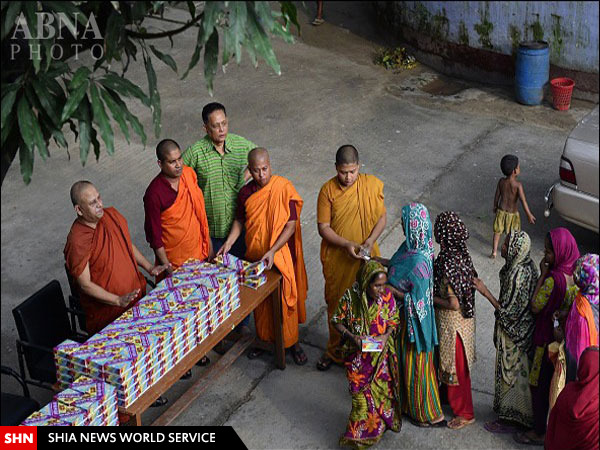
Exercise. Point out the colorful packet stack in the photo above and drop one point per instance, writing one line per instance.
(101, 397)
(58, 414)
(250, 274)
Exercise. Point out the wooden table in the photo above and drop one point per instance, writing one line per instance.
(249, 299)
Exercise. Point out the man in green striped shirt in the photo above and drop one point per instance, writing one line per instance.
(220, 161)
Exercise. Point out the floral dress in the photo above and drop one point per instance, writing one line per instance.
(373, 376)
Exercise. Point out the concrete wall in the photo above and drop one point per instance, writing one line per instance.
(453, 30)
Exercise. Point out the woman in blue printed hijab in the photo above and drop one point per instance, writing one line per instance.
(411, 276)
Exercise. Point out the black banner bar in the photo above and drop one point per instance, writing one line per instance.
(139, 437)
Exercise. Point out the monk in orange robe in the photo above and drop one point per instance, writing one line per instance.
(269, 207)
(176, 225)
(102, 259)
(351, 216)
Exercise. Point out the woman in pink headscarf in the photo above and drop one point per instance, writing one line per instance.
(555, 290)
(582, 322)
(573, 423)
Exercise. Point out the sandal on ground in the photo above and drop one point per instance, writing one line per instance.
(187, 375)
(299, 356)
(324, 363)
(160, 401)
(522, 438)
(318, 21)
(220, 348)
(460, 422)
(204, 361)
(441, 424)
(498, 427)
(255, 353)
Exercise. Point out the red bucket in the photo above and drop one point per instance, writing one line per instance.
(562, 89)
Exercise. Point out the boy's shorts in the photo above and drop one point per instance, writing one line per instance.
(506, 222)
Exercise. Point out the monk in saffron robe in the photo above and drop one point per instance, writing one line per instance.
(351, 216)
(102, 259)
(269, 207)
(176, 225)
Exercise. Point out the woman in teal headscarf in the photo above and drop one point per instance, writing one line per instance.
(368, 311)
(411, 276)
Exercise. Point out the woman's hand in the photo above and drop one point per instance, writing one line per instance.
(357, 341)
(479, 285)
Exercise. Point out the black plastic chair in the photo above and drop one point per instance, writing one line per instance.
(75, 304)
(16, 408)
(43, 322)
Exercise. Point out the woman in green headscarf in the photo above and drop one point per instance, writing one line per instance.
(512, 334)
(368, 311)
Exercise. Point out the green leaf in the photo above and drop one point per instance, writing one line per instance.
(264, 14)
(26, 162)
(138, 11)
(290, 14)
(12, 12)
(234, 34)
(30, 129)
(47, 101)
(68, 8)
(73, 100)
(211, 58)
(167, 59)
(101, 119)
(133, 121)
(30, 9)
(115, 27)
(154, 95)
(196, 54)
(95, 143)
(84, 140)
(7, 128)
(212, 10)
(124, 87)
(82, 74)
(8, 101)
(261, 43)
(116, 112)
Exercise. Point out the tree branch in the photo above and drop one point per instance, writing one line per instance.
(163, 34)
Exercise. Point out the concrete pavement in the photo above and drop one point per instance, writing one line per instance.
(443, 150)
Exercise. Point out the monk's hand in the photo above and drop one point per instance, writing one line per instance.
(158, 269)
(269, 257)
(353, 249)
(224, 249)
(126, 299)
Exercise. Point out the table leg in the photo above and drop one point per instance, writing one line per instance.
(278, 328)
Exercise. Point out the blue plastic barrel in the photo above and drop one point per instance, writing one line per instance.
(532, 72)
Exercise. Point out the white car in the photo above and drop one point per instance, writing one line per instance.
(575, 196)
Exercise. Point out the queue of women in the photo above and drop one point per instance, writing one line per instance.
(421, 309)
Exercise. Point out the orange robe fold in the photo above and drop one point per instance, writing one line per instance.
(267, 212)
(184, 225)
(352, 213)
(109, 252)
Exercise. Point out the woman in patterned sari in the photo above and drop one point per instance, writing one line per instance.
(512, 334)
(368, 309)
(454, 298)
(411, 278)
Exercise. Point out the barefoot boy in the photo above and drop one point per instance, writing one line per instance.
(508, 192)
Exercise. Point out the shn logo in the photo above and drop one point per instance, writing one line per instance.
(18, 438)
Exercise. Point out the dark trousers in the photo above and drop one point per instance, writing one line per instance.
(238, 249)
(539, 395)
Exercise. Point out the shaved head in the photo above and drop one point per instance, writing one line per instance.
(77, 189)
(258, 154)
(346, 154)
(259, 166)
(164, 147)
